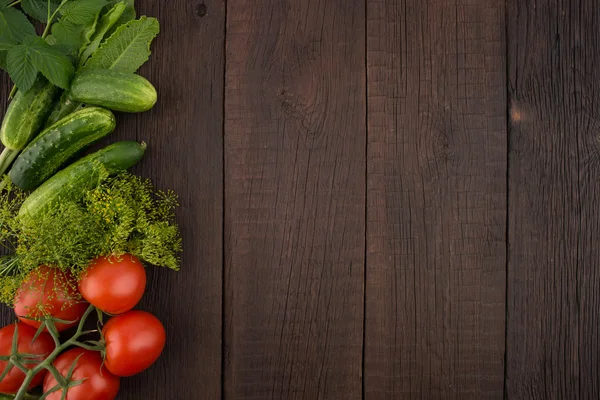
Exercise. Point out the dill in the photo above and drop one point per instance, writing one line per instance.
(123, 214)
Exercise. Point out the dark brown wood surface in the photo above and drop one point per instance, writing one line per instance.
(437, 200)
(553, 276)
(380, 199)
(295, 135)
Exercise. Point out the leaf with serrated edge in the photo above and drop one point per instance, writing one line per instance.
(104, 24)
(83, 11)
(19, 66)
(128, 15)
(14, 25)
(51, 62)
(38, 9)
(128, 48)
(68, 34)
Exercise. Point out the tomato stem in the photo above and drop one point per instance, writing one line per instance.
(47, 363)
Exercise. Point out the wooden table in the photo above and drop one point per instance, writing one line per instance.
(380, 199)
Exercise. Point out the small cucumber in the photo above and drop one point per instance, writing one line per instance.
(85, 174)
(116, 91)
(58, 143)
(26, 114)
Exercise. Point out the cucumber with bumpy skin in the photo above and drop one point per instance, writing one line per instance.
(26, 114)
(24, 118)
(85, 174)
(58, 143)
(116, 91)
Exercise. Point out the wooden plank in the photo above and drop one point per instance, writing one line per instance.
(437, 145)
(185, 139)
(553, 281)
(295, 137)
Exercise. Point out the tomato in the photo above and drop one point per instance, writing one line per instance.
(42, 346)
(49, 292)
(98, 384)
(114, 285)
(134, 341)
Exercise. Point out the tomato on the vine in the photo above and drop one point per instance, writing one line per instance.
(42, 346)
(134, 341)
(49, 292)
(114, 285)
(98, 383)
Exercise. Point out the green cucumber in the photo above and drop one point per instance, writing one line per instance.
(58, 143)
(116, 91)
(26, 114)
(85, 174)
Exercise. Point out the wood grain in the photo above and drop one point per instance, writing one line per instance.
(553, 280)
(295, 143)
(185, 140)
(437, 146)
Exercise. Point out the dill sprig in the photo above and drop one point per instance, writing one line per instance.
(124, 214)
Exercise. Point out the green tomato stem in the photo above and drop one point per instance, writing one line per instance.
(47, 363)
(14, 4)
(28, 396)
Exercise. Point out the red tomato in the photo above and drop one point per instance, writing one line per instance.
(49, 292)
(134, 341)
(42, 346)
(114, 285)
(98, 384)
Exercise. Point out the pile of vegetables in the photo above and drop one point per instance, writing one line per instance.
(78, 229)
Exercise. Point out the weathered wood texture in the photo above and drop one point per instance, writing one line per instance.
(553, 276)
(309, 139)
(295, 137)
(436, 197)
(185, 140)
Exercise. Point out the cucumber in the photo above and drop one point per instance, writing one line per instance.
(58, 143)
(85, 174)
(26, 114)
(116, 91)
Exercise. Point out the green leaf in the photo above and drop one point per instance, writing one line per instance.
(35, 55)
(82, 11)
(14, 25)
(19, 65)
(105, 23)
(128, 48)
(3, 55)
(51, 62)
(88, 32)
(128, 15)
(38, 9)
(6, 44)
(68, 34)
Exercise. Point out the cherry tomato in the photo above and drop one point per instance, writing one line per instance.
(114, 285)
(98, 384)
(42, 346)
(49, 292)
(134, 341)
